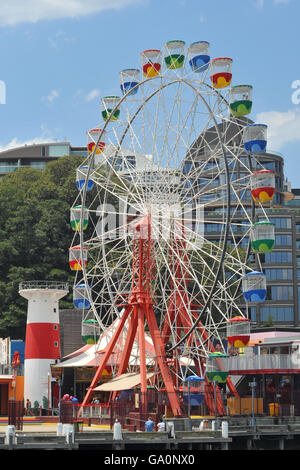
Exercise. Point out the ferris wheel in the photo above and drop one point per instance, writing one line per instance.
(165, 218)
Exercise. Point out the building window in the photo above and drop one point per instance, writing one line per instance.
(277, 198)
(58, 150)
(131, 160)
(213, 227)
(38, 165)
(8, 167)
(279, 274)
(280, 293)
(117, 164)
(250, 313)
(298, 292)
(278, 314)
(245, 195)
(281, 222)
(269, 165)
(283, 240)
(13, 163)
(279, 257)
(187, 167)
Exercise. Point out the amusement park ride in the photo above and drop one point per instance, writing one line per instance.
(163, 160)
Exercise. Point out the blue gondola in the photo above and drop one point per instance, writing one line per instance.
(129, 79)
(80, 296)
(254, 287)
(255, 138)
(198, 55)
(81, 173)
(193, 390)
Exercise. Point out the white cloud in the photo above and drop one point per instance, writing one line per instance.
(283, 127)
(45, 137)
(51, 97)
(92, 95)
(259, 4)
(13, 12)
(15, 142)
(282, 2)
(59, 37)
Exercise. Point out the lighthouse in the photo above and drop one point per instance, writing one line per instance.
(42, 342)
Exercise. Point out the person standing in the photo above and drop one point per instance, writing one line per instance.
(161, 427)
(28, 407)
(149, 425)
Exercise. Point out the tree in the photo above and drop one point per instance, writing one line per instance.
(35, 234)
(269, 322)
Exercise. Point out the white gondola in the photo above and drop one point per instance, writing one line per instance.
(76, 261)
(238, 332)
(174, 54)
(221, 72)
(92, 138)
(240, 100)
(109, 108)
(151, 62)
(75, 216)
(262, 237)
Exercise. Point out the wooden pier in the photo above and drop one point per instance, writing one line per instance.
(265, 434)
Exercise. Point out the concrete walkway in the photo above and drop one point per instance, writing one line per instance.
(49, 428)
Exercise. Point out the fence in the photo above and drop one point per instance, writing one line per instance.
(133, 417)
(15, 414)
(43, 285)
(132, 409)
(68, 412)
(261, 362)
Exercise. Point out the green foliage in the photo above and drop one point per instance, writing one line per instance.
(35, 234)
(36, 408)
(45, 402)
(269, 322)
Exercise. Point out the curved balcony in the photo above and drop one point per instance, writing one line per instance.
(56, 285)
(264, 364)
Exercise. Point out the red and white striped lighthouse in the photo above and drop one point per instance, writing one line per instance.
(42, 343)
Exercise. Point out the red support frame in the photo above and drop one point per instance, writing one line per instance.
(181, 304)
(138, 311)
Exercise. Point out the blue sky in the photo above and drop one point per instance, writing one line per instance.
(59, 57)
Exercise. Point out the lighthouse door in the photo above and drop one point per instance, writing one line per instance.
(3, 399)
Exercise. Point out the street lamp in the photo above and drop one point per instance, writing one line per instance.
(252, 385)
